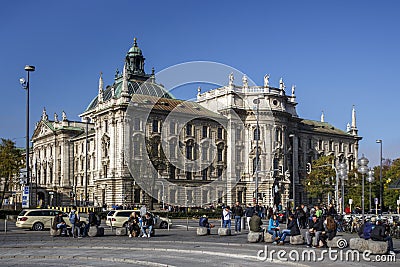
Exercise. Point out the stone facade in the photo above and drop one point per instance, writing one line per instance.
(74, 162)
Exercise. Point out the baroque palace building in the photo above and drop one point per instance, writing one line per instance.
(84, 162)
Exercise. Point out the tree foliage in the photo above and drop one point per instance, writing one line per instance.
(11, 161)
(321, 181)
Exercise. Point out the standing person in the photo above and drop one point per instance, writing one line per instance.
(318, 212)
(237, 214)
(301, 217)
(143, 211)
(74, 219)
(331, 210)
(249, 212)
(226, 213)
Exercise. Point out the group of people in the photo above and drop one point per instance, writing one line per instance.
(376, 230)
(140, 225)
(78, 228)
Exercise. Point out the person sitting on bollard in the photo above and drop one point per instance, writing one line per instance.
(366, 229)
(255, 223)
(203, 222)
(273, 228)
(133, 225)
(292, 229)
(379, 233)
(316, 227)
(147, 223)
(59, 222)
(330, 230)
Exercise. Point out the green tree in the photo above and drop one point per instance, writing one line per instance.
(11, 161)
(321, 181)
(390, 173)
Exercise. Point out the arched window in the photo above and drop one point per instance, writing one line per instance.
(256, 134)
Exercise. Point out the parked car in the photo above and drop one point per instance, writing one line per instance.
(38, 219)
(119, 218)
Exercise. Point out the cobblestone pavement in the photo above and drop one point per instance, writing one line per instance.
(177, 247)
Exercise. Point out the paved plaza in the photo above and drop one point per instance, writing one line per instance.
(179, 246)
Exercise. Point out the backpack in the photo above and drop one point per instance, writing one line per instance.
(367, 230)
(72, 217)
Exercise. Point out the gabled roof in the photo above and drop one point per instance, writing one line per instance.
(321, 127)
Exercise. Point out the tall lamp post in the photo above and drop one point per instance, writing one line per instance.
(293, 172)
(257, 101)
(363, 169)
(370, 180)
(379, 141)
(25, 85)
(342, 169)
(163, 192)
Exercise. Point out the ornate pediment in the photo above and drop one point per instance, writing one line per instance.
(42, 129)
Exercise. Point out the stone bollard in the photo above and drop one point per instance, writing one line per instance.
(337, 242)
(377, 247)
(95, 231)
(224, 231)
(297, 240)
(202, 231)
(254, 237)
(120, 231)
(359, 244)
(55, 232)
(268, 237)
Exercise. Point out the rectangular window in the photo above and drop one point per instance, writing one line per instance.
(136, 125)
(238, 156)
(204, 153)
(189, 129)
(310, 143)
(320, 144)
(205, 132)
(188, 176)
(220, 133)
(155, 126)
(238, 134)
(220, 152)
(172, 128)
(330, 145)
(189, 152)
(350, 148)
(172, 150)
(204, 174)
(172, 170)
(106, 126)
(220, 171)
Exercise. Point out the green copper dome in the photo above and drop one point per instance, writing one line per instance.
(135, 50)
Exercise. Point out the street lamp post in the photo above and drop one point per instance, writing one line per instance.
(25, 85)
(363, 169)
(370, 180)
(379, 141)
(293, 171)
(257, 101)
(343, 176)
(86, 162)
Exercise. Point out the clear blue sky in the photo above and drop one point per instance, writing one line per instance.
(338, 53)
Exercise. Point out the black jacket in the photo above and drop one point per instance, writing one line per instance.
(317, 226)
(378, 233)
(293, 227)
(237, 211)
(92, 219)
(249, 212)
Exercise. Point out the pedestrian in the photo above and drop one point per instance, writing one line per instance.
(143, 211)
(227, 217)
(74, 219)
(249, 212)
(133, 225)
(147, 223)
(237, 211)
(316, 228)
